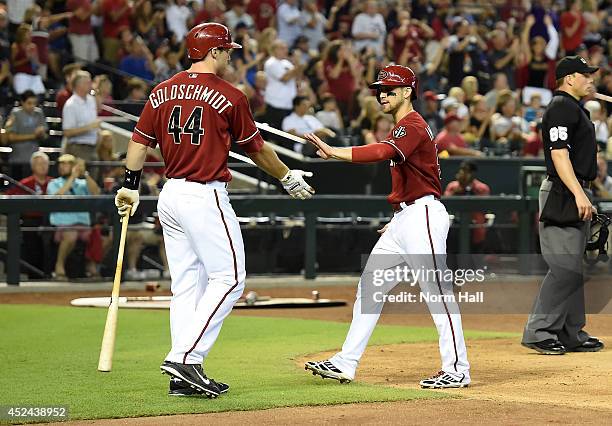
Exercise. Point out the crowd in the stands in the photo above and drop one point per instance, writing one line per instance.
(486, 70)
(486, 73)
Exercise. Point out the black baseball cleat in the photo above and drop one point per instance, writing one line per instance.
(180, 388)
(547, 347)
(593, 344)
(192, 375)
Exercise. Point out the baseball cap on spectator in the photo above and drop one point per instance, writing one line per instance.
(66, 158)
(39, 154)
(572, 64)
(430, 96)
(450, 118)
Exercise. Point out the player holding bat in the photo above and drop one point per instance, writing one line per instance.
(194, 116)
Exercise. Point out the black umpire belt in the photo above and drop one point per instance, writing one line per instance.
(586, 184)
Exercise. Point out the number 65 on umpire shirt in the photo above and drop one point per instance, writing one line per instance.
(566, 124)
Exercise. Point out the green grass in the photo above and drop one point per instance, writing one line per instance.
(50, 355)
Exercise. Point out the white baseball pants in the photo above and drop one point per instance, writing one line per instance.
(206, 260)
(413, 236)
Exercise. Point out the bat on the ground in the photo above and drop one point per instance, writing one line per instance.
(105, 363)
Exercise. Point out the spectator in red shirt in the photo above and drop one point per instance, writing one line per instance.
(467, 184)
(37, 182)
(573, 26)
(534, 144)
(40, 20)
(342, 71)
(24, 62)
(450, 139)
(63, 95)
(211, 12)
(116, 14)
(407, 40)
(263, 13)
(80, 32)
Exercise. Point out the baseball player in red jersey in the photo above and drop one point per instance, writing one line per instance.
(416, 236)
(193, 117)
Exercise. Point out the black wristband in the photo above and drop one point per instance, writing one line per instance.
(132, 179)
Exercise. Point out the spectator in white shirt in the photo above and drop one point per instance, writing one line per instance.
(236, 15)
(313, 23)
(369, 29)
(281, 86)
(80, 119)
(330, 115)
(289, 24)
(178, 18)
(300, 122)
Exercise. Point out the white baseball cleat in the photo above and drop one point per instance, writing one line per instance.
(444, 380)
(326, 369)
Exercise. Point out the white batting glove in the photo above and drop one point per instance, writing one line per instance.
(296, 186)
(125, 199)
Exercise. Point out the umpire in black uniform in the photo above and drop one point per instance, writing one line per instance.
(555, 325)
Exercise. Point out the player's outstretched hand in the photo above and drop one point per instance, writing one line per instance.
(323, 150)
(125, 199)
(296, 186)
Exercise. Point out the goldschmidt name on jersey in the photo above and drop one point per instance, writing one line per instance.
(195, 92)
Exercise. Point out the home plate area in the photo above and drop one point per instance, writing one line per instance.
(251, 301)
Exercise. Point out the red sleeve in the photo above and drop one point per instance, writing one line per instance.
(144, 132)
(60, 100)
(404, 139)
(372, 153)
(243, 129)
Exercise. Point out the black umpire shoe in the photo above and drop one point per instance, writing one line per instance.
(180, 388)
(593, 344)
(192, 375)
(547, 347)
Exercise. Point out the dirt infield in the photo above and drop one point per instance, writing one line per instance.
(511, 385)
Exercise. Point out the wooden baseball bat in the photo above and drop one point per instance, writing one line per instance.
(603, 97)
(105, 363)
(292, 137)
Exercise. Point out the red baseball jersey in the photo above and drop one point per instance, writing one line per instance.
(194, 117)
(415, 171)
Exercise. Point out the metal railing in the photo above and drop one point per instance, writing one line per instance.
(310, 210)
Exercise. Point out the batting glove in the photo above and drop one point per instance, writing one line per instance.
(296, 186)
(125, 199)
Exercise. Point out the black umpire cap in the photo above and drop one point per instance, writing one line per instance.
(571, 64)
